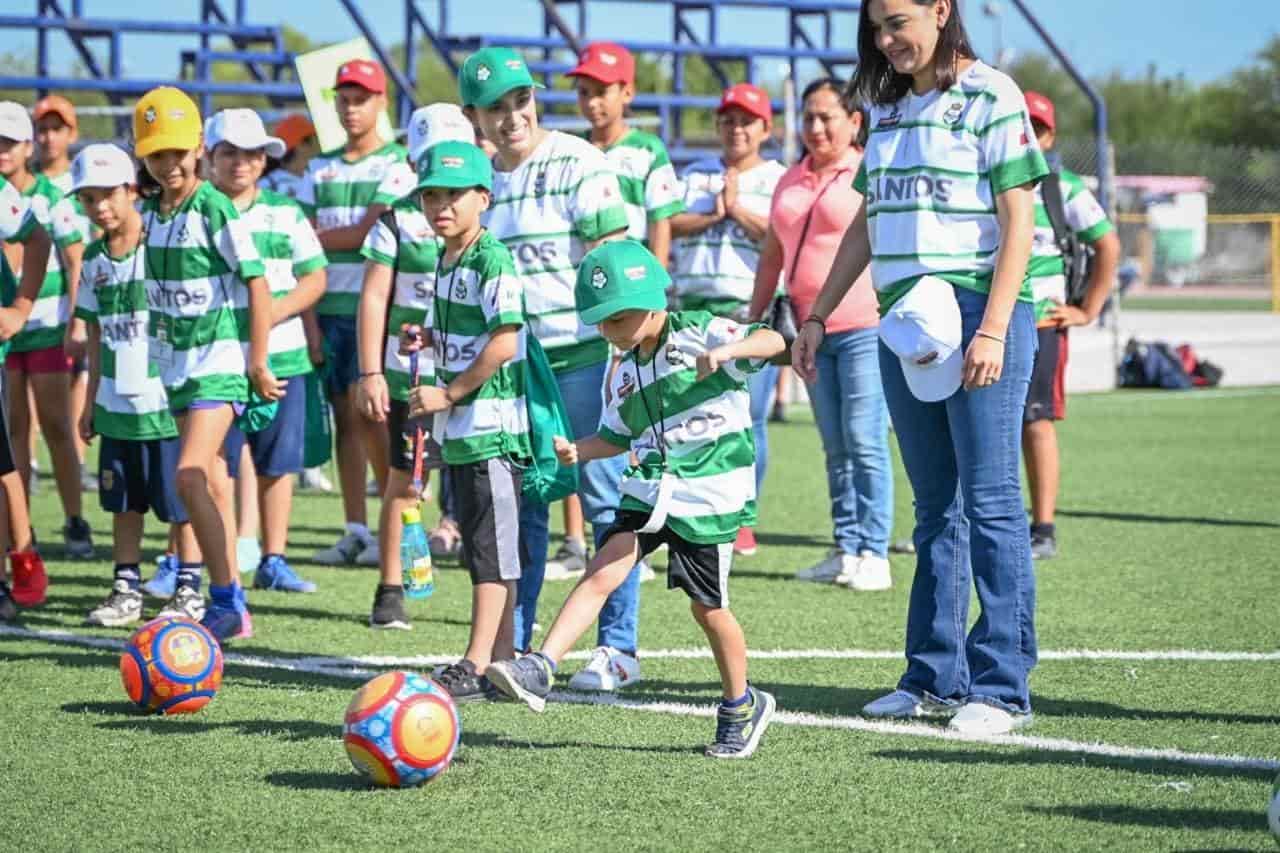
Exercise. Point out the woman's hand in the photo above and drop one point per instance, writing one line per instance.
(983, 362)
(804, 351)
(373, 400)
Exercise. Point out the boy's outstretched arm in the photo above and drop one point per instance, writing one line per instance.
(762, 344)
(585, 450)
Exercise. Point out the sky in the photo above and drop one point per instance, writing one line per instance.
(1199, 39)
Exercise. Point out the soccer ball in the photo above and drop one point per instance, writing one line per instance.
(401, 729)
(1273, 811)
(171, 665)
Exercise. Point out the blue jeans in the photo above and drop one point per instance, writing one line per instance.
(848, 405)
(581, 390)
(763, 384)
(961, 455)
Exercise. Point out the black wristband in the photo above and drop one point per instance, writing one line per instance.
(814, 318)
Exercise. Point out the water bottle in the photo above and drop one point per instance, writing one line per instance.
(415, 556)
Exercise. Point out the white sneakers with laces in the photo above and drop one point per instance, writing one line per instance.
(869, 572)
(978, 719)
(607, 671)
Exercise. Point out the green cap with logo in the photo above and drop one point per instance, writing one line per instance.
(490, 73)
(621, 275)
(458, 165)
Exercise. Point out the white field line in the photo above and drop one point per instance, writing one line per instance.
(313, 666)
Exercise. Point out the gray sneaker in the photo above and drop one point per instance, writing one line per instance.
(343, 552)
(904, 705)
(570, 561)
(1043, 547)
(738, 730)
(526, 679)
(186, 602)
(78, 538)
(123, 606)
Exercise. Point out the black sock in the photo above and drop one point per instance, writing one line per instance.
(189, 575)
(1043, 530)
(128, 572)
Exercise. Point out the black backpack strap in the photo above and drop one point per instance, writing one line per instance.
(1056, 207)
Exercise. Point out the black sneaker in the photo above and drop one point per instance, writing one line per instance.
(1043, 546)
(8, 610)
(526, 679)
(738, 730)
(388, 609)
(463, 684)
(78, 538)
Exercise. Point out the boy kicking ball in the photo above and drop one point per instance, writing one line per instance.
(679, 400)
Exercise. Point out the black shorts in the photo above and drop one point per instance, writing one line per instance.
(702, 571)
(400, 434)
(487, 503)
(1047, 394)
(136, 476)
(6, 452)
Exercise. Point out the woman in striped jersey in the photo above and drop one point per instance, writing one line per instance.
(946, 224)
(202, 273)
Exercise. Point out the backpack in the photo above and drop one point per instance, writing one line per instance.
(1076, 254)
(1203, 373)
(545, 479)
(1153, 365)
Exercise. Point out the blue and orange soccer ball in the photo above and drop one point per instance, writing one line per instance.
(401, 729)
(171, 665)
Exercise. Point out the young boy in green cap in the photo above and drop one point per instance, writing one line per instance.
(679, 401)
(477, 336)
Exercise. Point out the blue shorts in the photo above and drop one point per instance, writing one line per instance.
(342, 352)
(276, 449)
(136, 476)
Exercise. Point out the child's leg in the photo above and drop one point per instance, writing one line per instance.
(247, 490)
(727, 644)
(275, 498)
(20, 419)
(182, 541)
(202, 484)
(17, 513)
(574, 526)
(398, 497)
(53, 408)
(349, 438)
(126, 538)
(492, 606)
(607, 571)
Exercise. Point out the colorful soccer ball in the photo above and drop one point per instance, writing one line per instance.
(1273, 811)
(171, 665)
(401, 729)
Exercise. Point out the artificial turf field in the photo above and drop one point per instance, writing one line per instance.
(1170, 535)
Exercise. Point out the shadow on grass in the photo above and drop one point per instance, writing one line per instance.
(1166, 519)
(285, 730)
(1006, 757)
(1107, 711)
(318, 781)
(1206, 819)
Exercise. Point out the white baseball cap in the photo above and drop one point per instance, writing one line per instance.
(244, 129)
(15, 122)
(437, 123)
(102, 165)
(923, 331)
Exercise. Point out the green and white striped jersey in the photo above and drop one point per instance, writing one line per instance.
(546, 210)
(16, 222)
(477, 295)
(933, 167)
(650, 190)
(47, 324)
(1085, 217)
(336, 192)
(289, 249)
(412, 251)
(198, 260)
(62, 182)
(716, 270)
(131, 404)
(282, 181)
(704, 425)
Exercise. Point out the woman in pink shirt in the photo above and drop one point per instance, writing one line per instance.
(812, 207)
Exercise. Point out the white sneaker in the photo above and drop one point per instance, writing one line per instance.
(901, 705)
(315, 479)
(369, 555)
(982, 720)
(646, 572)
(343, 552)
(608, 670)
(371, 489)
(569, 562)
(829, 568)
(870, 573)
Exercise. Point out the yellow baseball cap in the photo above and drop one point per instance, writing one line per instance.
(165, 118)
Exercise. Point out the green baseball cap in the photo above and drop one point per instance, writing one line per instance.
(621, 275)
(490, 73)
(455, 164)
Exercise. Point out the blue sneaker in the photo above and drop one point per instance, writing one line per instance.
(274, 573)
(526, 679)
(227, 622)
(165, 581)
(738, 730)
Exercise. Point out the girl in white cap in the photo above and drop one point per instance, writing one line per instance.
(946, 224)
(238, 147)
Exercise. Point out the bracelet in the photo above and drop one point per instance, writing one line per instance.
(989, 336)
(814, 318)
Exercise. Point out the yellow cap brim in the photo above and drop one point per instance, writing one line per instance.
(165, 142)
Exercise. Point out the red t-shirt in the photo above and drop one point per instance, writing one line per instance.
(836, 204)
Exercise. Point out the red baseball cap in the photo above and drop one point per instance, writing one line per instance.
(606, 62)
(748, 97)
(364, 73)
(1041, 109)
(56, 105)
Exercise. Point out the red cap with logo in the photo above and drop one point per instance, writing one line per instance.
(56, 105)
(1040, 108)
(364, 73)
(606, 62)
(748, 97)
